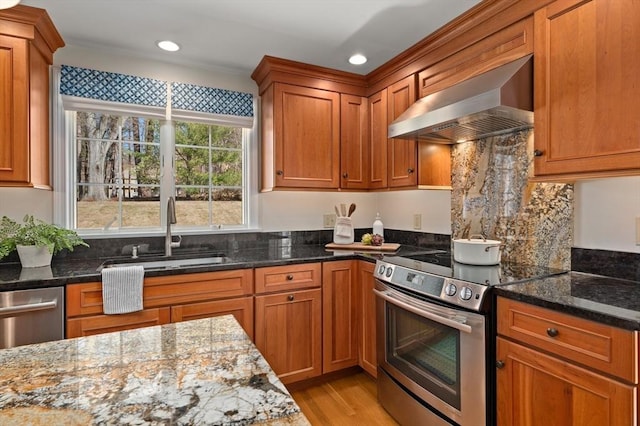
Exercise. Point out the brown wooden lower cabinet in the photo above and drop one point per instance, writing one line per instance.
(536, 389)
(339, 315)
(97, 324)
(166, 299)
(367, 318)
(288, 333)
(241, 309)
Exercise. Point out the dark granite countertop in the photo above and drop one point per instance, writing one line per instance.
(69, 271)
(599, 298)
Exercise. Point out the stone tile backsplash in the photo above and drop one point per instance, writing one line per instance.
(493, 196)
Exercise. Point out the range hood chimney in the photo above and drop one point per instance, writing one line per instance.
(495, 102)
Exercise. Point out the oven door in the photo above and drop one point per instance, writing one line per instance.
(436, 352)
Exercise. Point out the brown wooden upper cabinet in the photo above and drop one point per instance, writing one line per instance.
(378, 140)
(306, 138)
(354, 142)
(401, 153)
(28, 40)
(314, 126)
(587, 62)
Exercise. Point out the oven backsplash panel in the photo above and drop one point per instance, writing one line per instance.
(492, 195)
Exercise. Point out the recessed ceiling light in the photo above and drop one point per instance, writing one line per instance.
(6, 4)
(357, 59)
(167, 45)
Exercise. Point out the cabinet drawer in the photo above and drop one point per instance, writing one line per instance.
(608, 349)
(240, 308)
(288, 277)
(88, 326)
(86, 298)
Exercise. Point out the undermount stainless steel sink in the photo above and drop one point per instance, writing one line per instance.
(156, 263)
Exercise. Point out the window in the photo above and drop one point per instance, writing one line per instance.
(119, 169)
(133, 142)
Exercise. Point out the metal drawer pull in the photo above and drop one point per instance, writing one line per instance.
(32, 307)
(499, 364)
(290, 298)
(552, 332)
(289, 277)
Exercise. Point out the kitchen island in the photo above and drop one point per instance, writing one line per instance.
(201, 372)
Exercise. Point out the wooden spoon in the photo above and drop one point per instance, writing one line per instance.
(352, 208)
(337, 212)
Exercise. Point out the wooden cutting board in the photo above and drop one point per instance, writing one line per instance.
(363, 247)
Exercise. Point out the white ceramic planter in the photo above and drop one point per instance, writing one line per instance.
(477, 251)
(34, 256)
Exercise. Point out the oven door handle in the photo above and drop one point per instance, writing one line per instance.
(424, 313)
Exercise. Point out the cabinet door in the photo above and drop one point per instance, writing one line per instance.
(241, 309)
(586, 88)
(14, 108)
(288, 332)
(434, 165)
(307, 137)
(354, 142)
(402, 157)
(378, 150)
(88, 326)
(339, 315)
(367, 318)
(535, 389)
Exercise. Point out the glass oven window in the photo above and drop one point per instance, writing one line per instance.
(426, 352)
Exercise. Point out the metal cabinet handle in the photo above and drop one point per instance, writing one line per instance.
(345, 175)
(538, 153)
(31, 307)
(290, 298)
(289, 277)
(552, 332)
(279, 172)
(499, 364)
(409, 170)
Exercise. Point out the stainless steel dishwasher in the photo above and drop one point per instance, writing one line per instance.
(31, 316)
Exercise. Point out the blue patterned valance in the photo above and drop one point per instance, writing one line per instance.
(112, 87)
(190, 97)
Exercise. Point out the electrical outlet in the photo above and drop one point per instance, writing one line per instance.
(638, 231)
(329, 220)
(417, 221)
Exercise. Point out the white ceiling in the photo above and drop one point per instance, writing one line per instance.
(234, 35)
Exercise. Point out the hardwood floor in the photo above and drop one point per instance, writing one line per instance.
(350, 400)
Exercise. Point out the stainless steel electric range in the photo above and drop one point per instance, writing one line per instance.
(436, 336)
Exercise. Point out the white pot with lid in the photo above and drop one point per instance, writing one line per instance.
(477, 250)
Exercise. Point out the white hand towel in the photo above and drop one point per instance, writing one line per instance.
(122, 289)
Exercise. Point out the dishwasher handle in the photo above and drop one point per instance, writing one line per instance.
(10, 311)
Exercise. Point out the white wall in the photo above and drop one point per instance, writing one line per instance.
(16, 202)
(605, 214)
(301, 210)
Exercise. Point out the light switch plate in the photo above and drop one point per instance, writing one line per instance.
(417, 221)
(329, 220)
(638, 231)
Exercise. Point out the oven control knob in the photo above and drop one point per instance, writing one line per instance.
(465, 293)
(389, 272)
(381, 270)
(450, 289)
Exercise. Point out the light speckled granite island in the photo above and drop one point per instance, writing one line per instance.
(202, 372)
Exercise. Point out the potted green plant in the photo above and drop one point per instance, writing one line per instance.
(35, 240)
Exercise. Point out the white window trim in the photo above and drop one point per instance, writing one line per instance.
(63, 158)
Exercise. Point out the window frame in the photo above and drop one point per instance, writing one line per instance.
(64, 157)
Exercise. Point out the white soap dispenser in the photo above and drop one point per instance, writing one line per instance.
(378, 227)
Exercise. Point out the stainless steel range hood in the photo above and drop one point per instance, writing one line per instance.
(495, 102)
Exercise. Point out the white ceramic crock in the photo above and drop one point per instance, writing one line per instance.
(476, 251)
